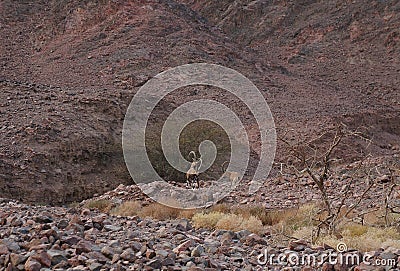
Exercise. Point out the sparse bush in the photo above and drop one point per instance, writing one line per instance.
(188, 213)
(206, 220)
(159, 211)
(102, 205)
(227, 221)
(252, 224)
(373, 238)
(230, 222)
(128, 208)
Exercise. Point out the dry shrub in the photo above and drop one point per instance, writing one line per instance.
(355, 230)
(257, 211)
(188, 213)
(159, 211)
(206, 220)
(373, 239)
(252, 224)
(230, 222)
(220, 208)
(301, 217)
(128, 208)
(102, 205)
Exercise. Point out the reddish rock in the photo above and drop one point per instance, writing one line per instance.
(184, 246)
(3, 250)
(43, 258)
(32, 265)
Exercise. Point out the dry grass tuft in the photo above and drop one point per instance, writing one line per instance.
(102, 205)
(128, 208)
(373, 238)
(230, 222)
(159, 211)
(206, 220)
(252, 224)
(187, 213)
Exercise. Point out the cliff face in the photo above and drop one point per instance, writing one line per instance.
(70, 68)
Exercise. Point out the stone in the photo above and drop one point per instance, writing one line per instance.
(72, 240)
(128, 255)
(43, 258)
(112, 228)
(183, 246)
(84, 246)
(197, 251)
(56, 256)
(150, 254)
(32, 265)
(168, 261)
(10, 244)
(97, 256)
(243, 233)
(4, 250)
(107, 251)
(327, 267)
(95, 267)
(62, 224)
(253, 239)
(16, 259)
(156, 264)
(136, 246)
(42, 219)
(182, 225)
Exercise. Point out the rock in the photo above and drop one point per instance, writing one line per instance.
(10, 244)
(72, 240)
(56, 256)
(112, 228)
(183, 246)
(4, 250)
(182, 225)
(168, 261)
(136, 246)
(243, 233)
(156, 264)
(107, 251)
(128, 255)
(16, 259)
(95, 267)
(253, 239)
(62, 224)
(197, 251)
(84, 246)
(150, 254)
(327, 267)
(43, 258)
(32, 265)
(97, 256)
(387, 255)
(42, 219)
(298, 245)
(367, 267)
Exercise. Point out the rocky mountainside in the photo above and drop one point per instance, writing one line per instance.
(70, 68)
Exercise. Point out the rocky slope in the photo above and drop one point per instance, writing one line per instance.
(55, 238)
(70, 68)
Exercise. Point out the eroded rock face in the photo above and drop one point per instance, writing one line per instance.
(159, 244)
